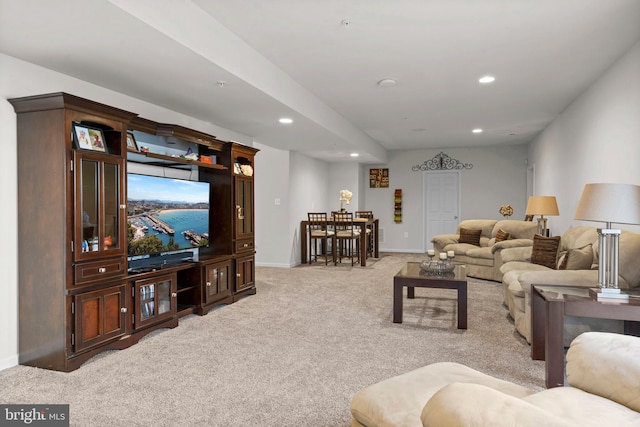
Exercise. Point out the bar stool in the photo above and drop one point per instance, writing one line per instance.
(347, 237)
(369, 230)
(319, 232)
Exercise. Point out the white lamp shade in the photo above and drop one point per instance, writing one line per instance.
(542, 205)
(619, 203)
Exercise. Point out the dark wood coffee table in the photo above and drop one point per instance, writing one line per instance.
(550, 304)
(412, 277)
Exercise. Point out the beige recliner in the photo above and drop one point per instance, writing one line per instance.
(603, 373)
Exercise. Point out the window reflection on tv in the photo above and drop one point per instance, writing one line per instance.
(166, 214)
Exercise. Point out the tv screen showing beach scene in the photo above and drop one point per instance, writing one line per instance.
(166, 214)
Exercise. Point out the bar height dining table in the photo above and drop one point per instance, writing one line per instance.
(362, 223)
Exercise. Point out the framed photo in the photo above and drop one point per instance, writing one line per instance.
(132, 145)
(88, 138)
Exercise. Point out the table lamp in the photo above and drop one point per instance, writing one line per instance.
(542, 205)
(619, 203)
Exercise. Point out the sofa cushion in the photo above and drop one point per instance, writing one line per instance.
(463, 404)
(517, 229)
(502, 235)
(398, 401)
(470, 236)
(577, 259)
(606, 365)
(545, 251)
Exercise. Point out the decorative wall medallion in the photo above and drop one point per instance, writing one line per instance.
(441, 162)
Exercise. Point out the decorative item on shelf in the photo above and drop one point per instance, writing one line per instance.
(206, 159)
(345, 196)
(132, 145)
(542, 205)
(397, 206)
(506, 211)
(246, 170)
(608, 203)
(144, 149)
(190, 155)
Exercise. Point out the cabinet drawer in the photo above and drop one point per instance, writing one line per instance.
(94, 271)
(244, 245)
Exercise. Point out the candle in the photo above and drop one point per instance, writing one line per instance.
(431, 252)
(450, 254)
(443, 255)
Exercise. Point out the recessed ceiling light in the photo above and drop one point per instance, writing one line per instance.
(354, 154)
(486, 79)
(286, 120)
(477, 130)
(386, 82)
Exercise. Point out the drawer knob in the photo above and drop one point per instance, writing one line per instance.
(208, 283)
(174, 294)
(102, 270)
(237, 274)
(123, 309)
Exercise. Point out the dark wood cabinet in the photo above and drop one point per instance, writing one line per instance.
(100, 316)
(244, 222)
(245, 273)
(155, 300)
(76, 295)
(217, 286)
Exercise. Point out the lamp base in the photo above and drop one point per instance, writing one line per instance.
(608, 294)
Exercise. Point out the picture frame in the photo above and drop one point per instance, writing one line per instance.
(379, 178)
(89, 138)
(132, 145)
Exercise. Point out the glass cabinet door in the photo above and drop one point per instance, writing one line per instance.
(99, 206)
(155, 299)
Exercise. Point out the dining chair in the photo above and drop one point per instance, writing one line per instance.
(347, 237)
(319, 232)
(369, 229)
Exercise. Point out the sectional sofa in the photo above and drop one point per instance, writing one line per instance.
(580, 244)
(483, 257)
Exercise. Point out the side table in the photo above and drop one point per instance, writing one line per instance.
(550, 304)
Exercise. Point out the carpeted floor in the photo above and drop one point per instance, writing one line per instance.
(292, 355)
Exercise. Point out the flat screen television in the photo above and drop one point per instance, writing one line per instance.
(165, 216)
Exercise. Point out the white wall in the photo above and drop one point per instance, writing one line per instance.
(273, 234)
(498, 177)
(596, 139)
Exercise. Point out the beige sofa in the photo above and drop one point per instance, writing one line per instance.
(485, 261)
(519, 274)
(603, 391)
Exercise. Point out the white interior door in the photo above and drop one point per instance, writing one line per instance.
(442, 203)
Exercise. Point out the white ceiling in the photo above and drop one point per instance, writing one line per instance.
(297, 58)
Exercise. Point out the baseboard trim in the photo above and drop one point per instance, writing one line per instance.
(8, 362)
(273, 264)
(405, 251)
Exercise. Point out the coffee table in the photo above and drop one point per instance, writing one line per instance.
(413, 277)
(550, 304)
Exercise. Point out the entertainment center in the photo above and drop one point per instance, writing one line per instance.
(126, 231)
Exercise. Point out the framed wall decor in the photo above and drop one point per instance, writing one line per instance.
(379, 178)
(132, 145)
(88, 138)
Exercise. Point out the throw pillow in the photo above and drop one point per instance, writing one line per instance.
(577, 259)
(545, 251)
(470, 236)
(502, 235)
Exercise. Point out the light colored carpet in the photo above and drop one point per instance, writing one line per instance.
(294, 354)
